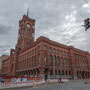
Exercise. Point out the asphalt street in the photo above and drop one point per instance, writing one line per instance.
(73, 85)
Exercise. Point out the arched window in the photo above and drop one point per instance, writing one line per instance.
(35, 60)
(38, 48)
(33, 26)
(64, 53)
(50, 59)
(65, 61)
(45, 47)
(68, 62)
(38, 59)
(58, 61)
(61, 52)
(32, 51)
(54, 60)
(62, 72)
(27, 54)
(23, 31)
(35, 50)
(67, 54)
(51, 72)
(69, 72)
(45, 57)
(27, 62)
(59, 72)
(50, 50)
(61, 61)
(24, 22)
(33, 34)
(57, 51)
(66, 73)
(32, 61)
(54, 51)
(55, 72)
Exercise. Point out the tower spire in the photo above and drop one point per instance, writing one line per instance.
(27, 11)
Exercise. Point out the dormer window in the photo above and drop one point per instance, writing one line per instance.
(28, 25)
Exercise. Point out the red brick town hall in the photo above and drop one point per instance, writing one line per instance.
(44, 57)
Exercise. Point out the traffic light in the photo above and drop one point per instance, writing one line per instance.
(86, 24)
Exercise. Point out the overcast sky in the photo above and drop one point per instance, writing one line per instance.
(59, 20)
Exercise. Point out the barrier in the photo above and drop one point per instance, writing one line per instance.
(65, 80)
(20, 84)
(57, 80)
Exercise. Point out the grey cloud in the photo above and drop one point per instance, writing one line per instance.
(4, 49)
(5, 29)
(50, 16)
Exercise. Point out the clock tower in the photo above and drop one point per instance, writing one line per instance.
(26, 32)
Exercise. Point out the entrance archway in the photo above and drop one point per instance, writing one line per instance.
(38, 72)
(83, 75)
(46, 73)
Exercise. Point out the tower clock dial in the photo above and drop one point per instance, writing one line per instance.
(28, 25)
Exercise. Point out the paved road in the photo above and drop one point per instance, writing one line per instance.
(74, 85)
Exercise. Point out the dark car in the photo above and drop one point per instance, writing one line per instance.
(2, 80)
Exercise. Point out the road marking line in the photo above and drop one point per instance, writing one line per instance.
(70, 89)
(85, 89)
(61, 89)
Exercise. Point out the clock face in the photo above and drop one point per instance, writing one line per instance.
(28, 25)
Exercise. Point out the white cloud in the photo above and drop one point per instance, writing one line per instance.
(85, 5)
(26, 6)
(69, 32)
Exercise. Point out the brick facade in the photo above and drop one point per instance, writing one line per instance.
(44, 57)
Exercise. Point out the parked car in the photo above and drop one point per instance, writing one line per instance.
(2, 80)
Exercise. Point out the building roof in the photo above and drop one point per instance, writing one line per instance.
(47, 40)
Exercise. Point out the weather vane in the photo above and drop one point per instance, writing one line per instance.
(27, 11)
